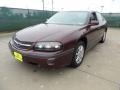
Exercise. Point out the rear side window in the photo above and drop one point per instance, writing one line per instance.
(100, 17)
(93, 17)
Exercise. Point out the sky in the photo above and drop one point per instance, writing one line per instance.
(108, 6)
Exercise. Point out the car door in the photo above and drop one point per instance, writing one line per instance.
(101, 26)
(93, 33)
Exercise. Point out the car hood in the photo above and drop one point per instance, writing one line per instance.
(46, 32)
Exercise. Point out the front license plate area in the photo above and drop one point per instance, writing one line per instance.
(18, 56)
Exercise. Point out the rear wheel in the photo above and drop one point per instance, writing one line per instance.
(78, 54)
(103, 37)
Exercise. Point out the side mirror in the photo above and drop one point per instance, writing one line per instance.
(46, 20)
(94, 22)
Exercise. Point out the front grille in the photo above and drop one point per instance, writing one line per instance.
(22, 45)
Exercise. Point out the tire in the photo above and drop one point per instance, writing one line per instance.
(78, 54)
(103, 37)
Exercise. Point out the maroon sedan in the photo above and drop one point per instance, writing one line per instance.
(61, 41)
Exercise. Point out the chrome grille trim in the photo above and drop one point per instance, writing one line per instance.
(18, 43)
(22, 45)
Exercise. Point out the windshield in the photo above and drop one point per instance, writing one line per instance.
(75, 18)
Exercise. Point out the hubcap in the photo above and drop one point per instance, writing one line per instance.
(79, 54)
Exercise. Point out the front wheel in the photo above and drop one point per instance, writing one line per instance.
(78, 54)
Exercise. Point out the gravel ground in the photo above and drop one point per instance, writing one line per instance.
(100, 69)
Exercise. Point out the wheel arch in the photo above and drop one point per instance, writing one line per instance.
(84, 39)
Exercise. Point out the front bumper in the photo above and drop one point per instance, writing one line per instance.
(45, 59)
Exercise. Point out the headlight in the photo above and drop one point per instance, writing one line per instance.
(48, 46)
